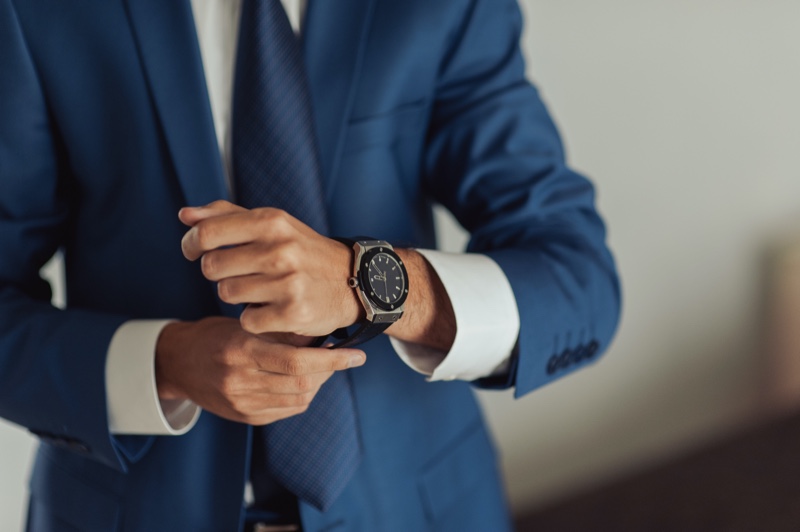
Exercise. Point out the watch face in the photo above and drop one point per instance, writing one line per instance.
(386, 279)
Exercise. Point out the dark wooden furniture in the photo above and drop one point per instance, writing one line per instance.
(749, 482)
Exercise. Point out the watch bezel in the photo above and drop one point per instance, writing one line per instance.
(363, 278)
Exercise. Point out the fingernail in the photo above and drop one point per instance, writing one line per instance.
(356, 360)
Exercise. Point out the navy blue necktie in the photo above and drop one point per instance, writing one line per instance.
(276, 164)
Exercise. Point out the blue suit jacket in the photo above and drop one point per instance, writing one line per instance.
(106, 131)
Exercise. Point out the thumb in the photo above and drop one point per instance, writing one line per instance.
(191, 216)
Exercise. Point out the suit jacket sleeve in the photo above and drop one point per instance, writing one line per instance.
(495, 160)
(52, 361)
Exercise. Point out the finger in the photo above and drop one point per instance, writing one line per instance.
(256, 414)
(241, 227)
(271, 415)
(279, 315)
(212, 233)
(192, 215)
(263, 403)
(252, 258)
(262, 383)
(232, 262)
(257, 289)
(298, 361)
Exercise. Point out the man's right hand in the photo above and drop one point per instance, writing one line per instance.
(253, 379)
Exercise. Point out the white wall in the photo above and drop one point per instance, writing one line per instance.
(685, 114)
(17, 446)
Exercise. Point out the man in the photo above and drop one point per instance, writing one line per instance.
(114, 115)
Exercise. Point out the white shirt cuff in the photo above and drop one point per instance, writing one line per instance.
(487, 320)
(131, 394)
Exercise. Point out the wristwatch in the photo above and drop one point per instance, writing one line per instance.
(381, 282)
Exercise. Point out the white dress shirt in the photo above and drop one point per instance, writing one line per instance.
(487, 320)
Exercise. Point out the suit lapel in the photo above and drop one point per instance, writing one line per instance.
(167, 41)
(335, 36)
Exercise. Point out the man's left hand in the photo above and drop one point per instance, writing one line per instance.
(292, 278)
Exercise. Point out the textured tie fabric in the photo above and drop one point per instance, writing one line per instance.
(276, 164)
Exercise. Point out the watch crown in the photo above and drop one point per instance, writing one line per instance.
(353, 282)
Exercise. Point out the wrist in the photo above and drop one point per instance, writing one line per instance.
(170, 341)
(350, 309)
(417, 282)
(429, 318)
(379, 286)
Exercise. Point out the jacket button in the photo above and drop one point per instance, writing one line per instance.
(579, 354)
(564, 359)
(592, 349)
(552, 365)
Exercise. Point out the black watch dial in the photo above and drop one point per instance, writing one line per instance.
(386, 284)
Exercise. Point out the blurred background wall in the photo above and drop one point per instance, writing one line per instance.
(686, 115)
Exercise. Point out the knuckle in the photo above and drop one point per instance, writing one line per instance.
(250, 322)
(304, 384)
(226, 290)
(223, 361)
(293, 249)
(294, 401)
(247, 344)
(283, 401)
(208, 265)
(262, 258)
(295, 287)
(279, 217)
(205, 234)
(287, 257)
(267, 217)
(293, 366)
(255, 351)
(300, 312)
(228, 386)
(305, 399)
(219, 362)
(265, 213)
